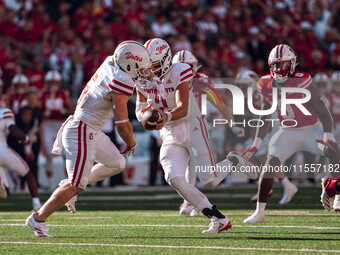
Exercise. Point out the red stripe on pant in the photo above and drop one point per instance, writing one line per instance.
(75, 170)
(84, 157)
(206, 140)
(209, 146)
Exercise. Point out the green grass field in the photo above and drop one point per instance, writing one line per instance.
(147, 222)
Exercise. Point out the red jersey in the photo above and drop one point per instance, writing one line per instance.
(54, 108)
(334, 105)
(36, 78)
(199, 82)
(18, 101)
(297, 80)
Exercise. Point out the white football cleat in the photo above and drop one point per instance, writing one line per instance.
(255, 218)
(255, 197)
(218, 225)
(71, 204)
(195, 212)
(185, 208)
(3, 191)
(336, 204)
(243, 165)
(289, 192)
(39, 228)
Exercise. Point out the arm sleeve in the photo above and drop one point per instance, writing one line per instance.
(8, 117)
(139, 107)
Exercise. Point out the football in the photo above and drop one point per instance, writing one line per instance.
(150, 119)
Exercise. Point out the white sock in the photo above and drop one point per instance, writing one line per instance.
(36, 201)
(191, 194)
(285, 182)
(100, 172)
(260, 208)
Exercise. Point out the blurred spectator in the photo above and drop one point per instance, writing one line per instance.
(56, 105)
(19, 98)
(35, 75)
(255, 46)
(162, 27)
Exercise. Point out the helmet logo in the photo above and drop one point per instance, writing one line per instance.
(134, 57)
(161, 48)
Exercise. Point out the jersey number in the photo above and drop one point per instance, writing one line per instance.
(86, 89)
(165, 105)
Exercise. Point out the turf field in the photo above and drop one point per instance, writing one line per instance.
(147, 222)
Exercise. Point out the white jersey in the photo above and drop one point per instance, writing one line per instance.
(92, 107)
(6, 120)
(178, 73)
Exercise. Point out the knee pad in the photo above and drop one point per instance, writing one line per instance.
(118, 165)
(121, 163)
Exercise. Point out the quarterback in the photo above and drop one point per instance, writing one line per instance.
(183, 131)
(201, 81)
(312, 133)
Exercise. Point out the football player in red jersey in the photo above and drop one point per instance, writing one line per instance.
(56, 104)
(200, 84)
(307, 130)
(244, 80)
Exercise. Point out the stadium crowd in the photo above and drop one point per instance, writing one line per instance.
(74, 37)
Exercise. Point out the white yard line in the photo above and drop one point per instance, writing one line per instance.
(176, 247)
(169, 226)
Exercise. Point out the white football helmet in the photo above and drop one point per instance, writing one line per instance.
(282, 62)
(21, 83)
(20, 78)
(185, 56)
(52, 75)
(335, 79)
(247, 77)
(321, 79)
(132, 58)
(160, 52)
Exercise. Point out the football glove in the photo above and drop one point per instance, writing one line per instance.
(251, 151)
(329, 141)
(128, 150)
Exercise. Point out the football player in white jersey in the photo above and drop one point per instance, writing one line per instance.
(107, 92)
(199, 81)
(11, 160)
(182, 130)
